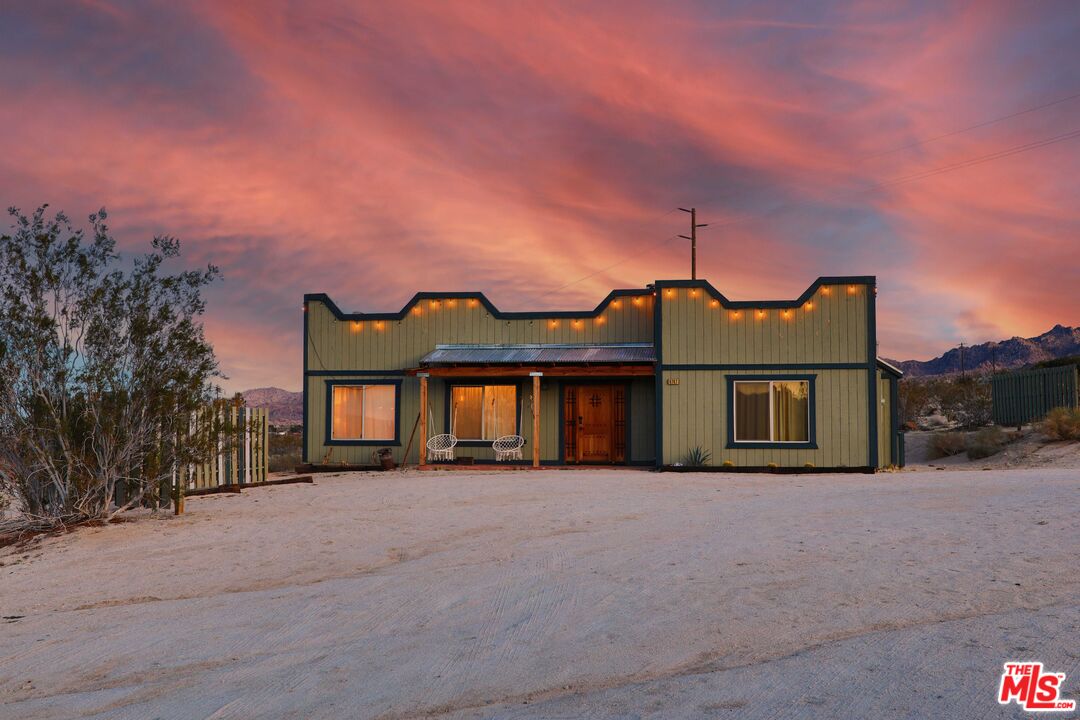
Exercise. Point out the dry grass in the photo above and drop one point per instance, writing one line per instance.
(1062, 424)
(947, 444)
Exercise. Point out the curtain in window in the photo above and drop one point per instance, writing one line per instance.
(348, 404)
(467, 411)
(379, 412)
(500, 418)
(752, 411)
(483, 412)
(791, 406)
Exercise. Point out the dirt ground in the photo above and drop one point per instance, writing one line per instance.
(555, 594)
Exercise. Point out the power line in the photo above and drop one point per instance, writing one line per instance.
(959, 165)
(976, 126)
(922, 174)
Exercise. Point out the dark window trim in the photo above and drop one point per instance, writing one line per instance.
(451, 383)
(811, 444)
(330, 384)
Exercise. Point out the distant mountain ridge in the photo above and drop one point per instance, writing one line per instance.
(1058, 342)
(286, 408)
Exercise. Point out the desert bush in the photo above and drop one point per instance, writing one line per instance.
(101, 368)
(988, 441)
(947, 444)
(1061, 424)
(965, 401)
(697, 457)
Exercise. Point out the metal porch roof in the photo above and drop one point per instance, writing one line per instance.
(535, 354)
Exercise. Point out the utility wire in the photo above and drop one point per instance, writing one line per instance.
(899, 180)
(969, 128)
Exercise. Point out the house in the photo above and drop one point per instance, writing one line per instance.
(642, 379)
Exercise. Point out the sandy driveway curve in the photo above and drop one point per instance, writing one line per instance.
(601, 593)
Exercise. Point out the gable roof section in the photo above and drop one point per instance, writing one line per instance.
(890, 368)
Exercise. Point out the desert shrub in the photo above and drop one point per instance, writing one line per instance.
(697, 457)
(1061, 424)
(965, 401)
(101, 369)
(947, 444)
(988, 441)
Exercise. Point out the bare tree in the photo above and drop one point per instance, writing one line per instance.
(101, 369)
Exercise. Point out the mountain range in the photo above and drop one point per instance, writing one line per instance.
(287, 407)
(1058, 342)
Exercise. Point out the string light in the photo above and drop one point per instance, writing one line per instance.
(786, 314)
(600, 320)
(670, 292)
(472, 302)
(434, 303)
(357, 326)
(715, 303)
(451, 302)
(416, 310)
(850, 289)
(761, 313)
(693, 292)
(808, 306)
(379, 325)
(637, 300)
(616, 304)
(826, 290)
(577, 323)
(554, 324)
(734, 314)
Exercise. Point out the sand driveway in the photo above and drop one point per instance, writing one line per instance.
(555, 594)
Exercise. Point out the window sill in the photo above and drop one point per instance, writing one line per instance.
(752, 445)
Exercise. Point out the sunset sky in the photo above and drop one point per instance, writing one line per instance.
(536, 152)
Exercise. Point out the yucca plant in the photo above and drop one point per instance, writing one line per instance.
(697, 457)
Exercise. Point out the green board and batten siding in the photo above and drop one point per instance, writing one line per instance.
(705, 338)
(394, 344)
(701, 338)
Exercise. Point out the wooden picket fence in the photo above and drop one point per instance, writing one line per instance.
(242, 436)
(1028, 395)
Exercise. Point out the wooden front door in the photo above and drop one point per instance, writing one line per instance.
(595, 423)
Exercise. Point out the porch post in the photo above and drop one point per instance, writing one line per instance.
(536, 417)
(423, 420)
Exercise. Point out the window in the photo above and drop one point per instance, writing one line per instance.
(364, 412)
(772, 411)
(483, 412)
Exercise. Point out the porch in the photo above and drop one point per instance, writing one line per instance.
(573, 404)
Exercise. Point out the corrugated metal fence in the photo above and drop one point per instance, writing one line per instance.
(242, 437)
(1027, 395)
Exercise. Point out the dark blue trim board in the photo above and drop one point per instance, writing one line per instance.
(330, 384)
(419, 297)
(478, 296)
(765, 366)
(732, 443)
(354, 373)
(448, 392)
(867, 280)
(658, 344)
(307, 340)
(871, 371)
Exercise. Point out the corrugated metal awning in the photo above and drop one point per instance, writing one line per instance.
(621, 353)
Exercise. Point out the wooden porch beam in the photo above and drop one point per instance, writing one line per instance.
(536, 418)
(423, 421)
(553, 371)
